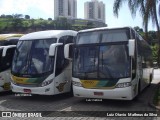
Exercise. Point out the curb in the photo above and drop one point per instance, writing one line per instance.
(151, 100)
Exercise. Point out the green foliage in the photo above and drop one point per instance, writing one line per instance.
(16, 23)
(155, 52)
(152, 38)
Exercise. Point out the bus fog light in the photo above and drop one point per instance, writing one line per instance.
(123, 85)
(48, 89)
(46, 82)
(77, 84)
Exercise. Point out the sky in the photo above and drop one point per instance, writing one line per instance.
(45, 9)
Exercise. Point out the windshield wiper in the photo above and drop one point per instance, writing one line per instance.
(104, 68)
(26, 65)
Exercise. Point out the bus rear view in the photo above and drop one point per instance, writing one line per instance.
(108, 64)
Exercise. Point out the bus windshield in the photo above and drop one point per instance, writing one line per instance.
(101, 61)
(32, 57)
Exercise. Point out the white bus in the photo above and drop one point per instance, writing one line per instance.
(113, 63)
(39, 66)
(7, 47)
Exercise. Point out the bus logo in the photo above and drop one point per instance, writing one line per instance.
(61, 87)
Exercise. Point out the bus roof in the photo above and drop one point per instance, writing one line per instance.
(48, 34)
(9, 39)
(103, 28)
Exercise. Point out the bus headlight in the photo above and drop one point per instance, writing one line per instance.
(123, 85)
(12, 81)
(77, 84)
(46, 82)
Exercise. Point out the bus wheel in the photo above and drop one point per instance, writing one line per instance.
(150, 79)
(139, 87)
(70, 93)
(138, 91)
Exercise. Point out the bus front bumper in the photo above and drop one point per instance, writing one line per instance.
(46, 90)
(117, 93)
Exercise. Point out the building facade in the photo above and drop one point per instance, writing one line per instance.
(94, 10)
(65, 8)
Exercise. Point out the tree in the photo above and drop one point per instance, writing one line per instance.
(33, 24)
(155, 52)
(8, 16)
(49, 19)
(16, 24)
(62, 23)
(147, 10)
(17, 16)
(89, 25)
(27, 17)
(3, 16)
(140, 31)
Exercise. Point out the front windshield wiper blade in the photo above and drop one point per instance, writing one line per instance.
(17, 54)
(24, 69)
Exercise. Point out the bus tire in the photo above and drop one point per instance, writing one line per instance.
(139, 88)
(71, 90)
(150, 79)
(138, 91)
(70, 93)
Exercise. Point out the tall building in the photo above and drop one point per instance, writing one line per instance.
(94, 10)
(65, 8)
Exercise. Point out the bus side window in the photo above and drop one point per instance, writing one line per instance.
(6, 61)
(134, 59)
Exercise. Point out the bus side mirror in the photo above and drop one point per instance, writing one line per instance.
(68, 51)
(5, 48)
(131, 47)
(52, 48)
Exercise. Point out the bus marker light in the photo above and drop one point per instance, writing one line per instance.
(98, 93)
(27, 90)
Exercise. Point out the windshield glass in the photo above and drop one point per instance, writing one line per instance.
(101, 61)
(105, 36)
(32, 57)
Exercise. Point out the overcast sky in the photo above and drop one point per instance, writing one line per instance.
(45, 9)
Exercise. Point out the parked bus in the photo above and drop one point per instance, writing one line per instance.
(113, 63)
(7, 47)
(39, 66)
(9, 39)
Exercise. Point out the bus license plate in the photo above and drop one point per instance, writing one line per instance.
(98, 93)
(27, 90)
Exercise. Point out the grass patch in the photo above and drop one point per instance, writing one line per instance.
(156, 100)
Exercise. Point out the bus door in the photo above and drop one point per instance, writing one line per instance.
(62, 76)
(5, 63)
